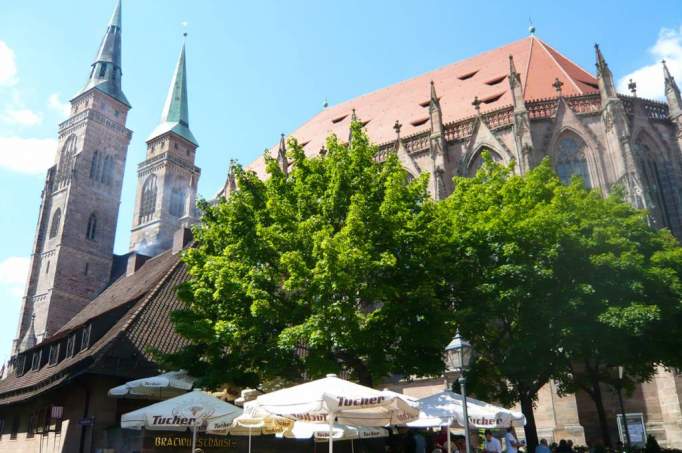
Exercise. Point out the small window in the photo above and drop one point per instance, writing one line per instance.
(86, 269)
(339, 119)
(467, 75)
(116, 113)
(47, 268)
(493, 98)
(102, 69)
(419, 122)
(177, 202)
(71, 346)
(54, 354)
(20, 367)
(85, 339)
(427, 103)
(496, 80)
(590, 84)
(15, 427)
(35, 360)
(91, 231)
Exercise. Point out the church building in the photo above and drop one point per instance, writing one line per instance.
(91, 320)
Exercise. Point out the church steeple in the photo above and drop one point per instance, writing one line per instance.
(175, 114)
(168, 178)
(105, 72)
(672, 93)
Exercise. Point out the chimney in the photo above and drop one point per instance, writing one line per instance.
(181, 238)
(135, 261)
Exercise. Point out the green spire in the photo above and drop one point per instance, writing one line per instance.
(105, 73)
(175, 114)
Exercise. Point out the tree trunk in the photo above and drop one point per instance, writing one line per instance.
(530, 429)
(601, 412)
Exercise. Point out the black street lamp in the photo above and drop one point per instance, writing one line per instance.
(457, 359)
(619, 389)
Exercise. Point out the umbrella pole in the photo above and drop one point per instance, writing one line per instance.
(331, 437)
(249, 439)
(449, 445)
(194, 438)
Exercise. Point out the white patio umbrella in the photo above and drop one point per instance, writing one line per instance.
(256, 423)
(191, 410)
(166, 385)
(332, 400)
(305, 430)
(446, 408)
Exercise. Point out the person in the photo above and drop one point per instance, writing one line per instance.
(569, 443)
(510, 441)
(419, 443)
(442, 439)
(563, 447)
(542, 447)
(491, 445)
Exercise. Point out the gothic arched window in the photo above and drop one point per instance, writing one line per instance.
(148, 199)
(91, 231)
(655, 177)
(56, 220)
(477, 162)
(95, 165)
(66, 160)
(570, 160)
(177, 202)
(107, 171)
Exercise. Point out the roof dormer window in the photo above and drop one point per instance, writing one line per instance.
(35, 360)
(468, 75)
(85, 338)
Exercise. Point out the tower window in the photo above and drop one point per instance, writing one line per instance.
(47, 268)
(107, 171)
(86, 269)
(177, 202)
(102, 69)
(91, 231)
(95, 165)
(56, 220)
(66, 161)
(148, 200)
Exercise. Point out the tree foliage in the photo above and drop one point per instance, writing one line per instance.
(326, 268)
(551, 278)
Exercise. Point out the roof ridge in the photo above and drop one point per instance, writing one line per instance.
(527, 71)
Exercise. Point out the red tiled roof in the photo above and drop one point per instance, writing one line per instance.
(457, 84)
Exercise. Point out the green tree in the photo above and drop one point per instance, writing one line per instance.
(334, 266)
(626, 297)
(506, 280)
(555, 281)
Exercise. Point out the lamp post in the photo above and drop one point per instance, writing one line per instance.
(619, 388)
(457, 360)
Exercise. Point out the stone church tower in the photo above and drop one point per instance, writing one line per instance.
(167, 179)
(73, 247)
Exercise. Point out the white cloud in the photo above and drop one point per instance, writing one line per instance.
(56, 104)
(21, 117)
(27, 155)
(13, 274)
(8, 66)
(649, 78)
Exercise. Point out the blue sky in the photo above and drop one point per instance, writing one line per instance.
(259, 68)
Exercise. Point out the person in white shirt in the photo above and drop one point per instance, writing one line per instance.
(491, 445)
(511, 443)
